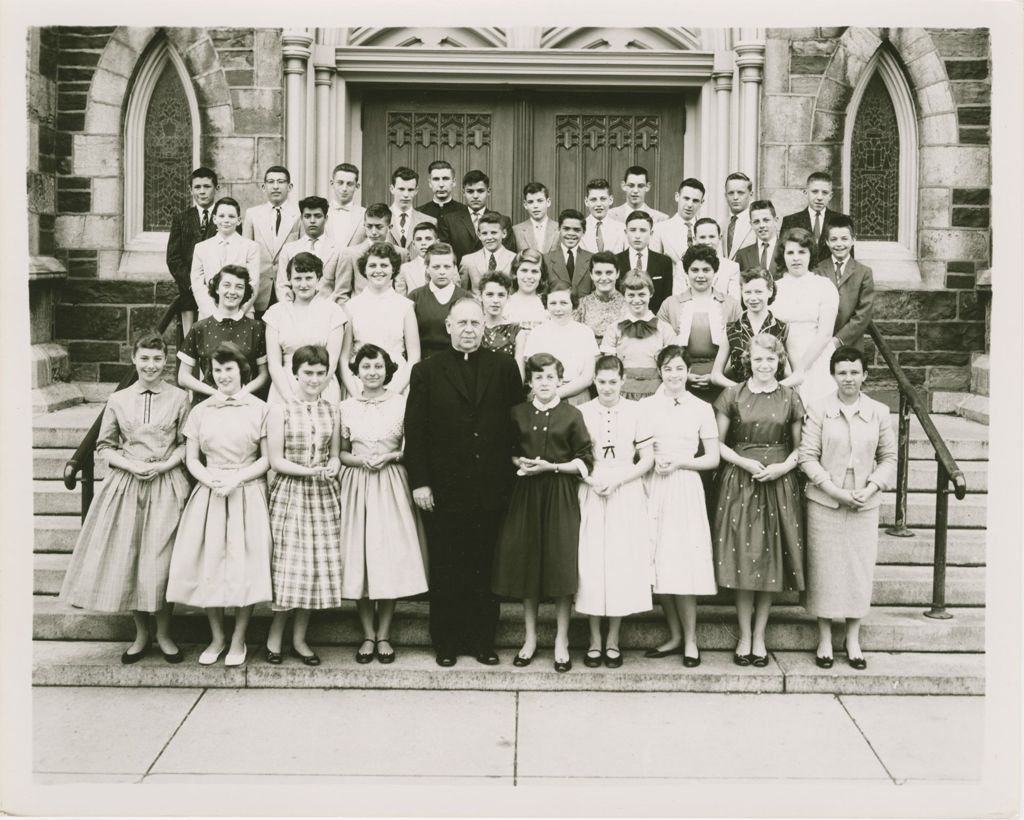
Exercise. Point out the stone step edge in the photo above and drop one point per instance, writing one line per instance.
(893, 673)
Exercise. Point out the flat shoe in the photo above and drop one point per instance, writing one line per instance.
(689, 662)
(134, 657)
(563, 666)
(366, 657)
(612, 661)
(858, 663)
(272, 657)
(520, 661)
(663, 653)
(445, 659)
(741, 660)
(309, 660)
(173, 657)
(236, 659)
(593, 658)
(759, 661)
(385, 657)
(823, 663)
(488, 657)
(209, 657)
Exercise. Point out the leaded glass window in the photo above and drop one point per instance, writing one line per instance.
(168, 152)
(875, 166)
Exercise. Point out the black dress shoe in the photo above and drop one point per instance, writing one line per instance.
(612, 661)
(689, 662)
(488, 657)
(385, 657)
(823, 663)
(130, 657)
(759, 661)
(858, 663)
(520, 661)
(366, 657)
(173, 657)
(663, 653)
(272, 656)
(309, 660)
(445, 658)
(563, 666)
(593, 658)
(741, 660)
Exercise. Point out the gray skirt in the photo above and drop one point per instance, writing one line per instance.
(842, 545)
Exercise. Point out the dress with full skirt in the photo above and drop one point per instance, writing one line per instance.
(683, 562)
(383, 541)
(759, 528)
(297, 326)
(223, 547)
(306, 562)
(123, 553)
(806, 303)
(615, 570)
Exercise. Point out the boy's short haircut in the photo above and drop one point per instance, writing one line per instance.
(475, 176)
(150, 339)
(498, 278)
(636, 171)
(637, 280)
(819, 176)
(278, 169)
(438, 249)
(839, 221)
(762, 205)
(605, 258)
(227, 200)
(378, 210)
(420, 227)
(489, 218)
(635, 216)
(311, 355)
(305, 262)
(404, 173)
(741, 177)
(598, 185)
(314, 203)
(345, 166)
(707, 220)
(703, 253)
(202, 172)
(692, 182)
(538, 361)
(439, 165)
(571, 213)
(535, 188)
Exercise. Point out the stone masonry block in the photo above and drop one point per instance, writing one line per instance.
(118, 58)
(212, 89)
(773, 166)
(861, 43)
(972, 308)
(95, 292)
(201, 57)
(106, 195)
(935, 99)
(232, 59)
(143, 318)
(217, 119)
(108, 88)
(833, 96)
(971, 92)
(805, 86)
(959, 166)
(41, 193)
(910, 305)
(239, 78)
(804, 160)
(970, 217)
(233, 157)
(791, 33)
(135, 37)
(185, 37)
(967, 69)
(827, 127)
(975, 115)
(814, 48)
(96, 155)
(100, 322)
(966, 336)
(926, 70)
(102, 119)
(231, 37)
(776, 67)
(938, 130)
(269, 68)
(107, 262)
(269, 151)
(935, 358)
(933, 207)
(961, 42)
(808, 65)
(974, 136)
(257, 110)
(948, 378)
(953, 244)
(911, 43)
(786, 118)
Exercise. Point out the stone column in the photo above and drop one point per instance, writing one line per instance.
(721, 76)
(750, 61)
(296, 51)
(323, 65)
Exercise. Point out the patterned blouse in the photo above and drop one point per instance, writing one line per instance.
(597, 313)
(501, 338)
(207, 334)
(739, 334)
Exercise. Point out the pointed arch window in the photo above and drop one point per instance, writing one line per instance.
(161, 140)
(880, 160)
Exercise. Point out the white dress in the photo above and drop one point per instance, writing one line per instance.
(806, 303)
(683, 561)
(298, 327)
(573, 344)
(379, 318)
(615, 570)
(527, 311)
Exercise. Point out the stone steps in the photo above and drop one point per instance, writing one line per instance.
(887, 628)
(970, 513)
(68, 663)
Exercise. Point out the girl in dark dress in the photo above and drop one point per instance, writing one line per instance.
(758, 532)
(536, 554)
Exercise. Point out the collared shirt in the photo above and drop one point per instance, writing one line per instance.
(740, 332)
(756, 387)
(551, 405)
(443, 295)
(144, 423)
(644, 254)
(839, 268)
(540, 229)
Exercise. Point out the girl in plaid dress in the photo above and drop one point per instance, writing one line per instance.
(123, 552)
(303, 437)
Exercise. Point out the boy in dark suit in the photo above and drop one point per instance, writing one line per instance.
(188, 228)
(567, 263)
(441, 178)
(855, 282)
(817, 216)
(459, 228)
(639, 256)
(762, 253)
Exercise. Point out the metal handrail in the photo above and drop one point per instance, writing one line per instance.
(83, 460)
(947, 472)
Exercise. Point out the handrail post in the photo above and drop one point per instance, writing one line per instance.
(88, 476)
(938, 609)
(899, 527)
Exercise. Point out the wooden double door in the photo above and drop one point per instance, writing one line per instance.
(562, 139)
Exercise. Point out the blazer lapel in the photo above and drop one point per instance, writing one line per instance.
(580, 266)
(550, 236)
(848, 270)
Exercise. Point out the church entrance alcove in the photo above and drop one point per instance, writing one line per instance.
(561, 138)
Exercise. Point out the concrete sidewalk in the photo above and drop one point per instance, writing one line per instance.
(108, 735)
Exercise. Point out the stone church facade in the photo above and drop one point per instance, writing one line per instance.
(118, 116)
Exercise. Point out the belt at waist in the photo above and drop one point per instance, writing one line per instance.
(229, 467)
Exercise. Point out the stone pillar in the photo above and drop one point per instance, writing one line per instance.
(721, 76)
(750, 61)
(296, 51)
(323, 65)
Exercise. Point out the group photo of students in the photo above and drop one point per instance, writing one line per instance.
(607, 408)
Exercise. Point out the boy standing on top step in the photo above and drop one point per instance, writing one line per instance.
(188, 228)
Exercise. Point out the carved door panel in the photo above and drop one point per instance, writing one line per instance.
(588, 136)
(414, 129)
